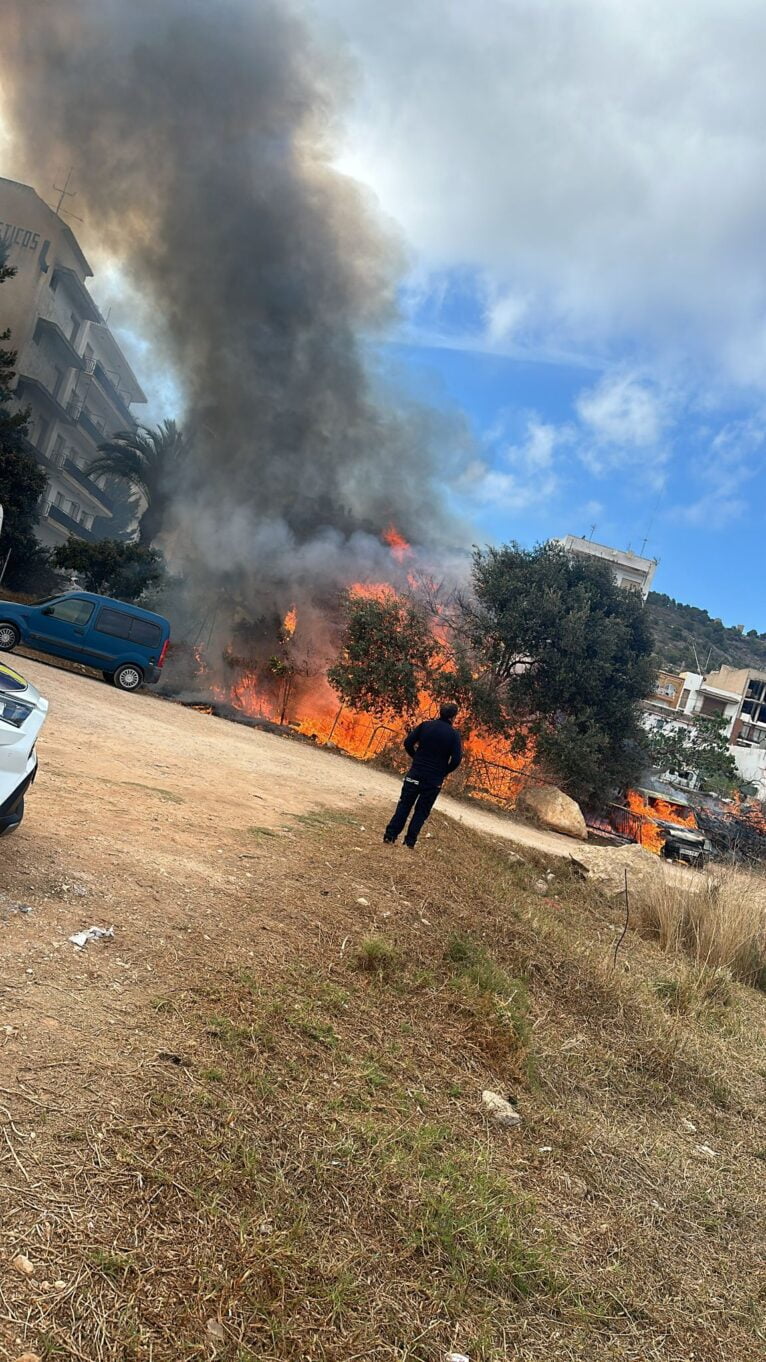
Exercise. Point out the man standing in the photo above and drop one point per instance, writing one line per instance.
(436, 749)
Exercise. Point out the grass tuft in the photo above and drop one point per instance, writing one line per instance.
(720, 923)
(377, 956)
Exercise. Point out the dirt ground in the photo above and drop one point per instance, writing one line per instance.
(218, 854)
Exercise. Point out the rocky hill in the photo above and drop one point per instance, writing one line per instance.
(689, 639)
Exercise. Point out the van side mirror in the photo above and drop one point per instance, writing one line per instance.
(48, 610)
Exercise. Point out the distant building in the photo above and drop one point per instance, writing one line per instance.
(72, 373)
(630, 569)
(736, 696)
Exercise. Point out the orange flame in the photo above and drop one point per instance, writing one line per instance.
(397, 543)
(371, 591)
(650, 836)
(289, 622)
(749, 812)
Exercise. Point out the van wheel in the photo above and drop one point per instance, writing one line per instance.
(9, 637)
(128, 677)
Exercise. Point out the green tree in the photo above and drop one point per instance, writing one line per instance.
(109, 568)
(22, 481)
(563, 654)
(698, 748)
(386, 654)
(149, 462)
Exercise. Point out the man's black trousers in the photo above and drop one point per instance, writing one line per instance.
(415, 796)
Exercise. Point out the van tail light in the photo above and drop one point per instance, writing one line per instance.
(164, 652)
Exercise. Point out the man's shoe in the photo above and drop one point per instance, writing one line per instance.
(390, 841)
(411, 845)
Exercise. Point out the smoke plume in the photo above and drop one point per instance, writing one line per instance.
(201, 136)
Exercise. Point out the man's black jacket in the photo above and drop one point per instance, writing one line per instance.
(436, 749)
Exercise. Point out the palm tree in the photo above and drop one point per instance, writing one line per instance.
(149, 461)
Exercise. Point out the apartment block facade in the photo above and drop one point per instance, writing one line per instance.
(630, 570)
(736, 696)
(71, 372)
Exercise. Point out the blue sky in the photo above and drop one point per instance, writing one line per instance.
(569, 445)
(579, 187)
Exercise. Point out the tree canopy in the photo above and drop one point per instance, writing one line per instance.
(22, 480)
(149, 463)
(544, 649)
(109, 568)
(386, 655)
(699, 748)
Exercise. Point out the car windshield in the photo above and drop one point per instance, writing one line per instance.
(47, 600)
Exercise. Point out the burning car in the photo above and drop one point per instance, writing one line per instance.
(684, 844)
(22, 715)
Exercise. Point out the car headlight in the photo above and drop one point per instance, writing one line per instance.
(14, 711)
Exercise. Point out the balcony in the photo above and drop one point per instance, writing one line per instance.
(85, 419)
(52, 332)
(88, 485)
(112, 395)
(37, 390)
(61, 518)
(71, 281)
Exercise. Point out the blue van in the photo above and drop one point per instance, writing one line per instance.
(124, 642)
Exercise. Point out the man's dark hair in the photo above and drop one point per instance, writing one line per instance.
(448, 712)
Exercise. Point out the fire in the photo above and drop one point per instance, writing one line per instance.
(400, 549)
(650, 835)
(289, 622)
(372, 591)
(750, 812)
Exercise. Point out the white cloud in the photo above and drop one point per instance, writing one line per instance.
(503, 314)
(522, 475)
(623, 411)
(605, 161)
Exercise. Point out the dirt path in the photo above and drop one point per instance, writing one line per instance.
(100, 742)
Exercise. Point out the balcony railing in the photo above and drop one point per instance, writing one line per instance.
(88, 485)
(88, 424)
(74, 527)
(115, 397)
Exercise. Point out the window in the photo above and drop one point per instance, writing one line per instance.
(148, 635)
(74, 510)
(58, 454)
(75, 327)
(43, 431)
(58, 500)
(120, 625)
(71, 612)
(59, 381)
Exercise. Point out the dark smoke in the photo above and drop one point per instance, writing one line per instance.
(201, 136)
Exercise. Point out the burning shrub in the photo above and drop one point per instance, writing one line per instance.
(387, 656)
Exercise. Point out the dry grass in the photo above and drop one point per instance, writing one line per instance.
(302, 1171)
(720, 923)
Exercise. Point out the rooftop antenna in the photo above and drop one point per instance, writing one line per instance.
(592, 531)
(65, 193)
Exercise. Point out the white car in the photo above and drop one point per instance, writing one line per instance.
(22, 715)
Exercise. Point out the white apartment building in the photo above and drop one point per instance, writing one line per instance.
(630, 570)
(735, 695)
(71, 372)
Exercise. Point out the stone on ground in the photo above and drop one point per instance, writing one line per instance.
(554, 810)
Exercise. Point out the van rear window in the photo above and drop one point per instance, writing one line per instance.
(120, 625)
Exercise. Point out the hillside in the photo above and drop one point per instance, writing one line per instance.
(686, 635)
